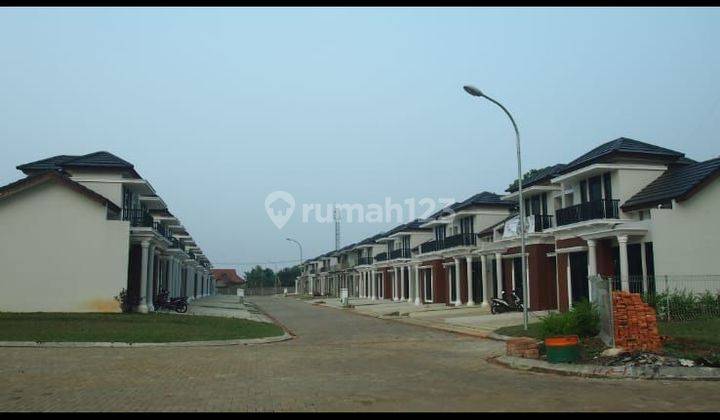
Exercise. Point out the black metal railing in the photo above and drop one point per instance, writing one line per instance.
(590, 210)
(323, 269)
(365, 261)
(175, 242)
(137, 217)
(461, 239)
(429, 246)
(400, 253)
(381, 256)
(542, 222)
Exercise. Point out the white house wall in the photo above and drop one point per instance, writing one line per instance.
(686, 238)
(58, 253)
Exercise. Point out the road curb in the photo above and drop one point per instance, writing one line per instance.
(119, 344)
(611, 372)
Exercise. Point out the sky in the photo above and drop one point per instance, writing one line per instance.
(218, 108)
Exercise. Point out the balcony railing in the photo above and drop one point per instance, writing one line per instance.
(429, 246)
(365, 261)
(461, 239)
(542, 222)
(381, 256)
(137, 217)
(590, 210)
(400, 253)
(175, 243)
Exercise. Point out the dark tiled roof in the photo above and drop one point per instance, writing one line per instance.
(484, 198)
(227, 274)
(539, 176)
(678, 183)
(91, 160)
(622, 145)
(49, 175)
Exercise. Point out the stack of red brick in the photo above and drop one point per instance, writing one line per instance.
(523, 347)
(635, 323)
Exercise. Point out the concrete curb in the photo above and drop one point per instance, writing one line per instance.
(118, 344)
(613, 372)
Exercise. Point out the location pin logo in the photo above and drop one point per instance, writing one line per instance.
(279, 206)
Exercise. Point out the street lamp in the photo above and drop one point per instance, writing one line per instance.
(477, 92)
(301, 257)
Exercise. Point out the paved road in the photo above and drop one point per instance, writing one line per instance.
(340, 361)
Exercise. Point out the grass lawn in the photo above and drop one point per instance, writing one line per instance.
(131, 327)
(693, 339)
(533, 330)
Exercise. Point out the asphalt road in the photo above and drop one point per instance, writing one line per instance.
(338, 361)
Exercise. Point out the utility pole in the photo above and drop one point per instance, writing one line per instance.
(336, 217)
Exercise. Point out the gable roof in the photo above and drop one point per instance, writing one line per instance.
(622, 146)
(99, 159)
(54, 176)
(227, 274)
(678, 183)
(485, 198)
(539, 176)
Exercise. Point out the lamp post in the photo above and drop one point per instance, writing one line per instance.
(477, 92)
(301, 257)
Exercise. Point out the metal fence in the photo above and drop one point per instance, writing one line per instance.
(676, 298)
(267, 291)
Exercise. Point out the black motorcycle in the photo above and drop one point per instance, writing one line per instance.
(178, 304)
(500, 305)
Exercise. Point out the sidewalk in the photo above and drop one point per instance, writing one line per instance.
(226, 306)
(472, 320)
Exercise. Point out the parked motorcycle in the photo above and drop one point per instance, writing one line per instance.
(505, 304)
(177, 304)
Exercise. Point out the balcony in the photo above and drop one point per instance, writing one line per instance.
(400, 253)
(365, 261)
(461, 239)
(590, 210)
(137, 217)
(429, 246)
(381, 256)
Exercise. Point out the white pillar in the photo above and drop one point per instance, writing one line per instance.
(458, 295)
(396, 282)
(417, 285)
(142, 307)
(592, 257)
(151, 278)
(469, 263)
(498, 266)
(373, 284)
(487, 281)
(644, 267)
(624, 274)
(402, 285)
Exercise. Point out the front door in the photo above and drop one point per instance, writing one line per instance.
(579, 276)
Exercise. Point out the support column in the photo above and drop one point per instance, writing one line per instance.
(499, 279)
(592, 257)
(643, 263)
(396, 279)
(402, 285)
(373, 284)
(624, 274)
(458, 295)
(417, 285)
(487, 281)
(469, 264)
(142, 306)
(151, 279)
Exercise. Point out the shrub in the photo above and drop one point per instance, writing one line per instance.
(125, 301)
(582, 320)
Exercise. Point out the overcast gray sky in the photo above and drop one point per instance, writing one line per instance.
(220, 107)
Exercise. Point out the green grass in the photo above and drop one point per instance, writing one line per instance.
(132, 328)
(533, 331)
(693, 339)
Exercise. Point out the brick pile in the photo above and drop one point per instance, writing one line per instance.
(635, 323)
(524, 347)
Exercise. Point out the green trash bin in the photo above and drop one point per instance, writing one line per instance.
(564, 349)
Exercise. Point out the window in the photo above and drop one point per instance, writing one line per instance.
(583, 191)
(607, 184)
(406, 242)
(466, 225)
(440, 233)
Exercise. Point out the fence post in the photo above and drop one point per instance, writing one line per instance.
(667, 298)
